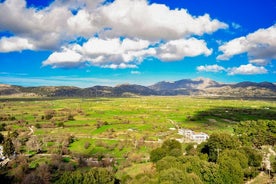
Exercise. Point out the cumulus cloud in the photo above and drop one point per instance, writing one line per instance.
(261, 62)
(114, 51)
(178, 49)
(15, 44)
(125, 53)
(107, 53)
(260, 46)
(137, 18)
(83, 23)
(248, 69)
(67, 58)
(119, 34)
(45, 28)
(210, 68)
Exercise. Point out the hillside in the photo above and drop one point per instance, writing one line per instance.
(195, 87)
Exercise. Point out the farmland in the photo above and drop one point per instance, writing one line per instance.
(126, 129)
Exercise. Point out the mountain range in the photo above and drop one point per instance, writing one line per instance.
(194, 87)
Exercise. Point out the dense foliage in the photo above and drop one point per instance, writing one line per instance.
(169, 148)
(257, 133)
(94, 175)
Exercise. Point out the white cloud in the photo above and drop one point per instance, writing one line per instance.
(125, 53)
(119, 66)
(83, 23)
(67, 58)
(137, 18)
(45, 28)
(260, 46)
(261, 62)
(15, 44)
(248, 69)
(210, 68)
(127, 32)
(115, 51)
(107, 53)
(178, 49)
(53, 26)
(77, 4)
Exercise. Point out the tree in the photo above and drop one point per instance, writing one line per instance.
(8, 147)
(157, 154)
(236, 155)
(94, 175)
(172, 147)
(254, 156)
(167, 163)
(208, 172)
(141, 178)
(176, 176)
(230, 171)
(2, 126)
(273, 165)
(43, 172)
(190, 149)
(32, 178)
(256, 133)
(219, 142)
(1, 138)
(169, 148)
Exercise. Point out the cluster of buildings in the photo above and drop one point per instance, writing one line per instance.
(193, 136)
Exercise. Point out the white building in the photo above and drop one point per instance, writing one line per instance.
(185, 132)
(199, 137)
(193, 136)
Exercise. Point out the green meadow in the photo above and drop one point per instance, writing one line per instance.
(126, 129)
(117, 121)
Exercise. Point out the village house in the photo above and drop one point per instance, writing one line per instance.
(193, 136)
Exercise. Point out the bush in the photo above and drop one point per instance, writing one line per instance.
(49, 114)
(37, 125)
(87, 145)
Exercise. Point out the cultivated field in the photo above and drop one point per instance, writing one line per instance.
(126, 129)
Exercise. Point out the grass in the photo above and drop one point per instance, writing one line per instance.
(129, 119)
(135, 170)
(262, 178)
(37, 161)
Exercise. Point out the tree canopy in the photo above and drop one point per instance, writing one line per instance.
(219, 142)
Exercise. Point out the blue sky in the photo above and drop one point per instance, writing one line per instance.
(85, 43)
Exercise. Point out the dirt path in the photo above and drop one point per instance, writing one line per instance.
(31, 130)
(254, 179)
(272, 151)
(174, 124)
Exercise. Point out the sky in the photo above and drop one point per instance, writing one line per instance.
(109, 42)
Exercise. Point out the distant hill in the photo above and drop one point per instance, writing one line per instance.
(184, 86)
(195, 87)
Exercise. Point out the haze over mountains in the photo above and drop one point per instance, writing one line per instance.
(195, 87)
